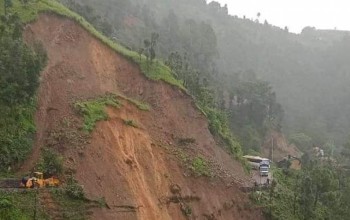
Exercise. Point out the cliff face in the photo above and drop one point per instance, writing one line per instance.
(142, 172)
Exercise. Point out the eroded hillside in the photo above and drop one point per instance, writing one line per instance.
(143, 171)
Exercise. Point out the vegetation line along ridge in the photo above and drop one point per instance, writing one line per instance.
(155, 71)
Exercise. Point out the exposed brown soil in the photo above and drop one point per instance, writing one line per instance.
(134, 169)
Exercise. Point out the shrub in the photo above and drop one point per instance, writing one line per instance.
(186, 141)
(131, 123)
(8, 210)
(51, 163)
(19, 78)
(139, 104)
(94, 110)
(74, 190)
(186, 209)
(200, 167)
(218, 126)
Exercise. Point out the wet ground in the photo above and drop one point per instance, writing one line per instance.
(261, 180)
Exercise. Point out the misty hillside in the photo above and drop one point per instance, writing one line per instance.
(169, 110)
(94, 130)
(309, 71)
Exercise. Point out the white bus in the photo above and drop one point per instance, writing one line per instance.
(259, 163)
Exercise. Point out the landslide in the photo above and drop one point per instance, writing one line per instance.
(136, 170)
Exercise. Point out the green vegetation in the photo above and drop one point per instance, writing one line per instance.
(27, 204)
(19, 78)
(70, 208)
(200, 167)
(181, 155)
(74, 190)
(139, 104)
(94, 110)
(50, 163)
(218, 125)
(20, 206)
(318, 191)
(131, 123)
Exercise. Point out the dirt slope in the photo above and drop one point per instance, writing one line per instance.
(136, 170)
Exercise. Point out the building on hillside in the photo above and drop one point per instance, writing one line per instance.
(318, 152)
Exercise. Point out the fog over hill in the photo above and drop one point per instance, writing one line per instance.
(309, 72)
(170, 109)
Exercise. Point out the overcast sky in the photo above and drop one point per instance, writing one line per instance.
(295, 14)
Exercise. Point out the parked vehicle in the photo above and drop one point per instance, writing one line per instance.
(259, 163)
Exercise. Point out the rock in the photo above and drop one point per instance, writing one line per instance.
(175, 189)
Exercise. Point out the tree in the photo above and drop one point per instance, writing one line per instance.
(150, 47)
(175, 63)
(214, 6)
(255, 103)
(19, 78)
(146, 44)
(7, 4)
(154, 40)
(345, 153)
(225, 9)
(258, 16)
(306, 196)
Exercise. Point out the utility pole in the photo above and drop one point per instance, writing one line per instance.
(272, 150)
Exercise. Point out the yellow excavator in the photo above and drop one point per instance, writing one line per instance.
(38, 181)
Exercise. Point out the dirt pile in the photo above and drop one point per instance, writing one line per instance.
(136, 170)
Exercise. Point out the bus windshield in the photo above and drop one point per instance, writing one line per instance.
(264, 168)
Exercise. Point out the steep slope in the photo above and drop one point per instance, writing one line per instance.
(308, 71)
(138, 171)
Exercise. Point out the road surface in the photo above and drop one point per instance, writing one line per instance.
(260, 180)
